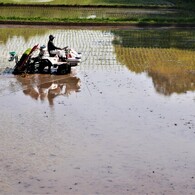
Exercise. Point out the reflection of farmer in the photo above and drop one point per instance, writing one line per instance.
(52, 49)
(47, 87)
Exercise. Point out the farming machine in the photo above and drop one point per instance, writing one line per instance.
(43, 62)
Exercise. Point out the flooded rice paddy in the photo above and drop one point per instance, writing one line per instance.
(123, 121)
(65, 13)
(76, 12)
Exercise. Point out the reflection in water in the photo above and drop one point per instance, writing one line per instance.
(25, 33)
(172, 70)
(155, 38)
(166, 56)
(48, 87)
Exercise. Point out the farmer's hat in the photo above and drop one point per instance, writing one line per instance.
(51, 37)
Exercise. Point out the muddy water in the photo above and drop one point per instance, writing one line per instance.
(103, 129)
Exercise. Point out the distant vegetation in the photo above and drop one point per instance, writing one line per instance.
(180, 3)
(92, 2)
(99, 11)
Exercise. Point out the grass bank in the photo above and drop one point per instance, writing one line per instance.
(91, 2)
(105, 21)
(96, 12)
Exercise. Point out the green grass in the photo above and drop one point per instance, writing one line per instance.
(142, 12)
(99, 13)
(143, 21)
(92, 2)
(104, 15)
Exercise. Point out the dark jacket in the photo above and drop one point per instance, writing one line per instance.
(51, 46)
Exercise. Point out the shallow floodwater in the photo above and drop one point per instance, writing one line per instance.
(123, 122)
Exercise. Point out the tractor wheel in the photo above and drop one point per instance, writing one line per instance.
(64, 69)
(43, 64)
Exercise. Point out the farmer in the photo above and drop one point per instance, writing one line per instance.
(52, 49)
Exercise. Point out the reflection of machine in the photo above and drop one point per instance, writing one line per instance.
(43, 62)
(42, 87)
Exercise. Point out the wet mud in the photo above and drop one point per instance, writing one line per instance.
(111, 134)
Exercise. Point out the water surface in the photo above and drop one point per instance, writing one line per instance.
(121, 123)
